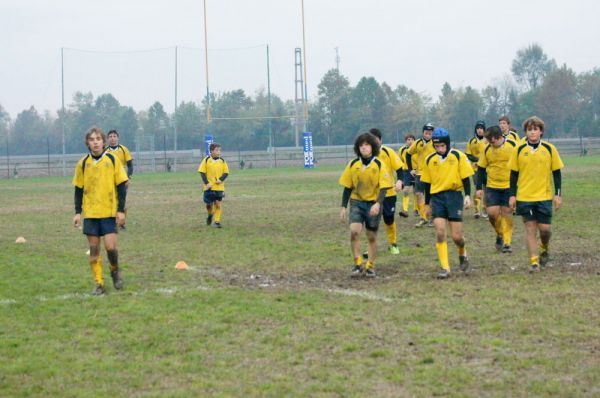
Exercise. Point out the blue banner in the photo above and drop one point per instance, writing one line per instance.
(208, 139)
(309, 159)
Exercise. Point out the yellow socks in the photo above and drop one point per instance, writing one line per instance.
(370, 265)
(534, 260)
(97, 270)
(507, 224)
(442, 251)
(405, 203)
(478, 205)
(390, 230)
(462, 251)
(217, 213)
(499, 226)
(358, 261)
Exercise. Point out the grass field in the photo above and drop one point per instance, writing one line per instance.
(267, 307)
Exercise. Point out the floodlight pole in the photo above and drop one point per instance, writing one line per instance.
(305, 82)
(269, 100)
(62, 116)
(208, 116)
(175, 118)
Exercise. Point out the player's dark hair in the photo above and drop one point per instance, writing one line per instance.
(504, 118)
(533, 121)
(94, 130)
(376, 132)
(369, 139)
(213, 145)
(407, 136)
(493, 132)
(113, 132)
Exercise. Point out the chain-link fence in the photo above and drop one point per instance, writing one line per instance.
(148, 160)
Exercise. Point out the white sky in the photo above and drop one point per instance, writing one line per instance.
(420, 44)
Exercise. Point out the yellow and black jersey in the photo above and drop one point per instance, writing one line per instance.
(419, 151)
(392, 162)
(535, 167)
(495, 162)
(214, 170)
(402, 153)
(366, 181)
(99, 179)
(475, 147)
(446, 174)
(121, 152)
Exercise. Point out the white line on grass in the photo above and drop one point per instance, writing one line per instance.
(362, 294)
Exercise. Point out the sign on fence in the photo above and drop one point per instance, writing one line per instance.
(208, 139)
(309, 159)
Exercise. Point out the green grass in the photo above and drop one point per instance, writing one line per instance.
(268, 308)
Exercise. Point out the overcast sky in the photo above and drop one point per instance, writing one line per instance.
(420, 44)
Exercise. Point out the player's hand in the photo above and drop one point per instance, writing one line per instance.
(398, 187)
(467, 201)
(208, 186)
(375, 209)
(120, 218)
(427, 212)
(218, 182)
(413, 172)
(343, 213)
(77, 220)
(479, 193)
(127, 182)
(512, 203)
(557, 201)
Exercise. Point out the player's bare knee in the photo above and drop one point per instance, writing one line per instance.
(94, 251)
(545, 235)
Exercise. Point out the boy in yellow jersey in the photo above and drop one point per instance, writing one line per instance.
(121, 152)
(365, 180)
(445, 175)
(392, 162)
(494, 174)
(100, 193)
(415, 159)
(504, 123)
(474, 150)
(532, 195)
(409, 179)
(214, 170)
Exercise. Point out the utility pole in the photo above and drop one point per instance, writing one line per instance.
(299, 98)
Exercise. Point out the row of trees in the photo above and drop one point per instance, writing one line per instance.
(567, 101)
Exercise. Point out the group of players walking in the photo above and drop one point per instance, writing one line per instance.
(512, 175)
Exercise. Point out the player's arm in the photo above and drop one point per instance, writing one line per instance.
(409, 164)
(78, 198)
(376, 208)
(472, 157)
(514, 177)
(481, 180)
(467, 188)
(345, 199)
(222, 178)
(121, 198)
(427, 189)
(557, 176)
(129, 168)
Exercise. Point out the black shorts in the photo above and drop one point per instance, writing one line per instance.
(359, 213)
(448, 205)
(419, 187)
(211, 196)
(497, 196)
(99, 226)
(541, 211)
(408, 179)
(389, 209)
